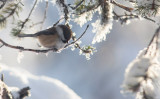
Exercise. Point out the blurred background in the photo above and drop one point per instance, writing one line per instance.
(98, 78)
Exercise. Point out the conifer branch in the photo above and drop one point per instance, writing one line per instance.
(10, 14)
(21, 24)
(9, 11)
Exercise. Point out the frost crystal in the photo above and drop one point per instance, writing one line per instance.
(83, 18)
(101, 31)
(87, 51)
(20, 56)
(87, 55)
(103, 25)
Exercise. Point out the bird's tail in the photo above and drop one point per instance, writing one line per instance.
(27, 35)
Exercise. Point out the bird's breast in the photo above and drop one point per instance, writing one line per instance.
(48, 41)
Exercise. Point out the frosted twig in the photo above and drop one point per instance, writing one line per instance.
(65, 8)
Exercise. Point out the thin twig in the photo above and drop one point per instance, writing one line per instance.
(130, 16)
(32, 9)
(154, 39)
(149, 19)
(73, 8)
(37, 50)
(121, 6)
(45, 14)
(38, 23)
(26, 20)
(44, 17)
(58, 21)
(78, 38)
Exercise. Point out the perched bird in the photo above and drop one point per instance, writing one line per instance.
(55, 37)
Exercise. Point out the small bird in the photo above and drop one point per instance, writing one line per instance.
(55, 37)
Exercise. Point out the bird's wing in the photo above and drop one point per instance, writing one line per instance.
(46, 32)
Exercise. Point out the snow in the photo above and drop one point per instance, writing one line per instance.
(135, 73)
(15, 92)
(42, 87)
(142, 75)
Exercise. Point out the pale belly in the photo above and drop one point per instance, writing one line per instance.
(51, 41)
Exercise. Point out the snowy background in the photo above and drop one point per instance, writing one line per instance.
(98, 78)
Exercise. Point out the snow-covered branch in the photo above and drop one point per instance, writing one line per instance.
(42, 87)
(13, 92)
(142, 75)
